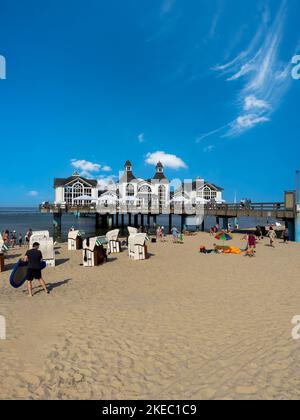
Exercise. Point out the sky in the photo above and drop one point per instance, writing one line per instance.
(205, 86)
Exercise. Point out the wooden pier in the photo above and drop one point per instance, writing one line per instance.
(141, 216)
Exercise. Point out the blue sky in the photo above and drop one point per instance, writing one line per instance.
(205, 85)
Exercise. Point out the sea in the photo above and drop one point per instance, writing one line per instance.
(21, 219)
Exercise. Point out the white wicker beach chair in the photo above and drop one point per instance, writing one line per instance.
(113, 245)
(46, 246)
(137, 248)
(74, 240)
(93, 252)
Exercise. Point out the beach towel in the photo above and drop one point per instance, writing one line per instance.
(233, 250)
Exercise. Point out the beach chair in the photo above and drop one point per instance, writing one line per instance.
(113, 244)
(46, 246)
(137, 248)
(38, 236)
(3, 246)
(93, 252)
(132, 231)
(74, 240)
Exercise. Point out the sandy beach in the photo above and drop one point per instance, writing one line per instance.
(179, 325)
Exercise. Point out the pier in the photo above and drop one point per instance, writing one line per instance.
(114, 216)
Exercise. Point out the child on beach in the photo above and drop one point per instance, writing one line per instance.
(286, 236)
(272, 236)
(251, 242)
(175, 234)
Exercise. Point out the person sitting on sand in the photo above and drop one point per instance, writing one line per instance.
(34, 258)
(272, 235)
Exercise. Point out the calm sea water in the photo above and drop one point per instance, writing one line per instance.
(23, 218)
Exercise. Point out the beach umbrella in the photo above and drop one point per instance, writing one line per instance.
(224, 236)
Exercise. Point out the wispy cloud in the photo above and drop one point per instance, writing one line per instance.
(141, 137)
(168, 160)
(32, 193)
(208, 149)
(215, 20)
(167, 6)
(211, 133)
(265, 78)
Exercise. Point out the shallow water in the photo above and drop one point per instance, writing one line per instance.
(21, 219)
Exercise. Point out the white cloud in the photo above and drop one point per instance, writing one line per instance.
(141, 137)
(85, 165)
(88, 169)
(106, 168)
(168, 160)
(251, 102)
(107, 182)
(32, 194)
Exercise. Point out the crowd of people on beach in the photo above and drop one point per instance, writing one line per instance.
(13, 239)
(252, 238)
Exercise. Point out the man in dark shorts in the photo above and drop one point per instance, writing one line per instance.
(34, 258)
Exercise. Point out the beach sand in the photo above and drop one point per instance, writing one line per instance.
(178, 326)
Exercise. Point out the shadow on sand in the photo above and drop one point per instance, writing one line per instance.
(51, 286)
(61, 261)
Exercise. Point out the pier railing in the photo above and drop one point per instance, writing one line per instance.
(274, 209)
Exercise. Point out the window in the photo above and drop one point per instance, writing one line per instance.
(162, 195)
(75, 191)
(145, 195)
(206, 193)
(68, 195)
(130, 190)
(88, 191)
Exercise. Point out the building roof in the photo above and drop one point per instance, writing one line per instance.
(159, 165)
(195, 185)
(210, 185)
(160, 176)
(61, 182)
(128, 163)
(127, 177)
